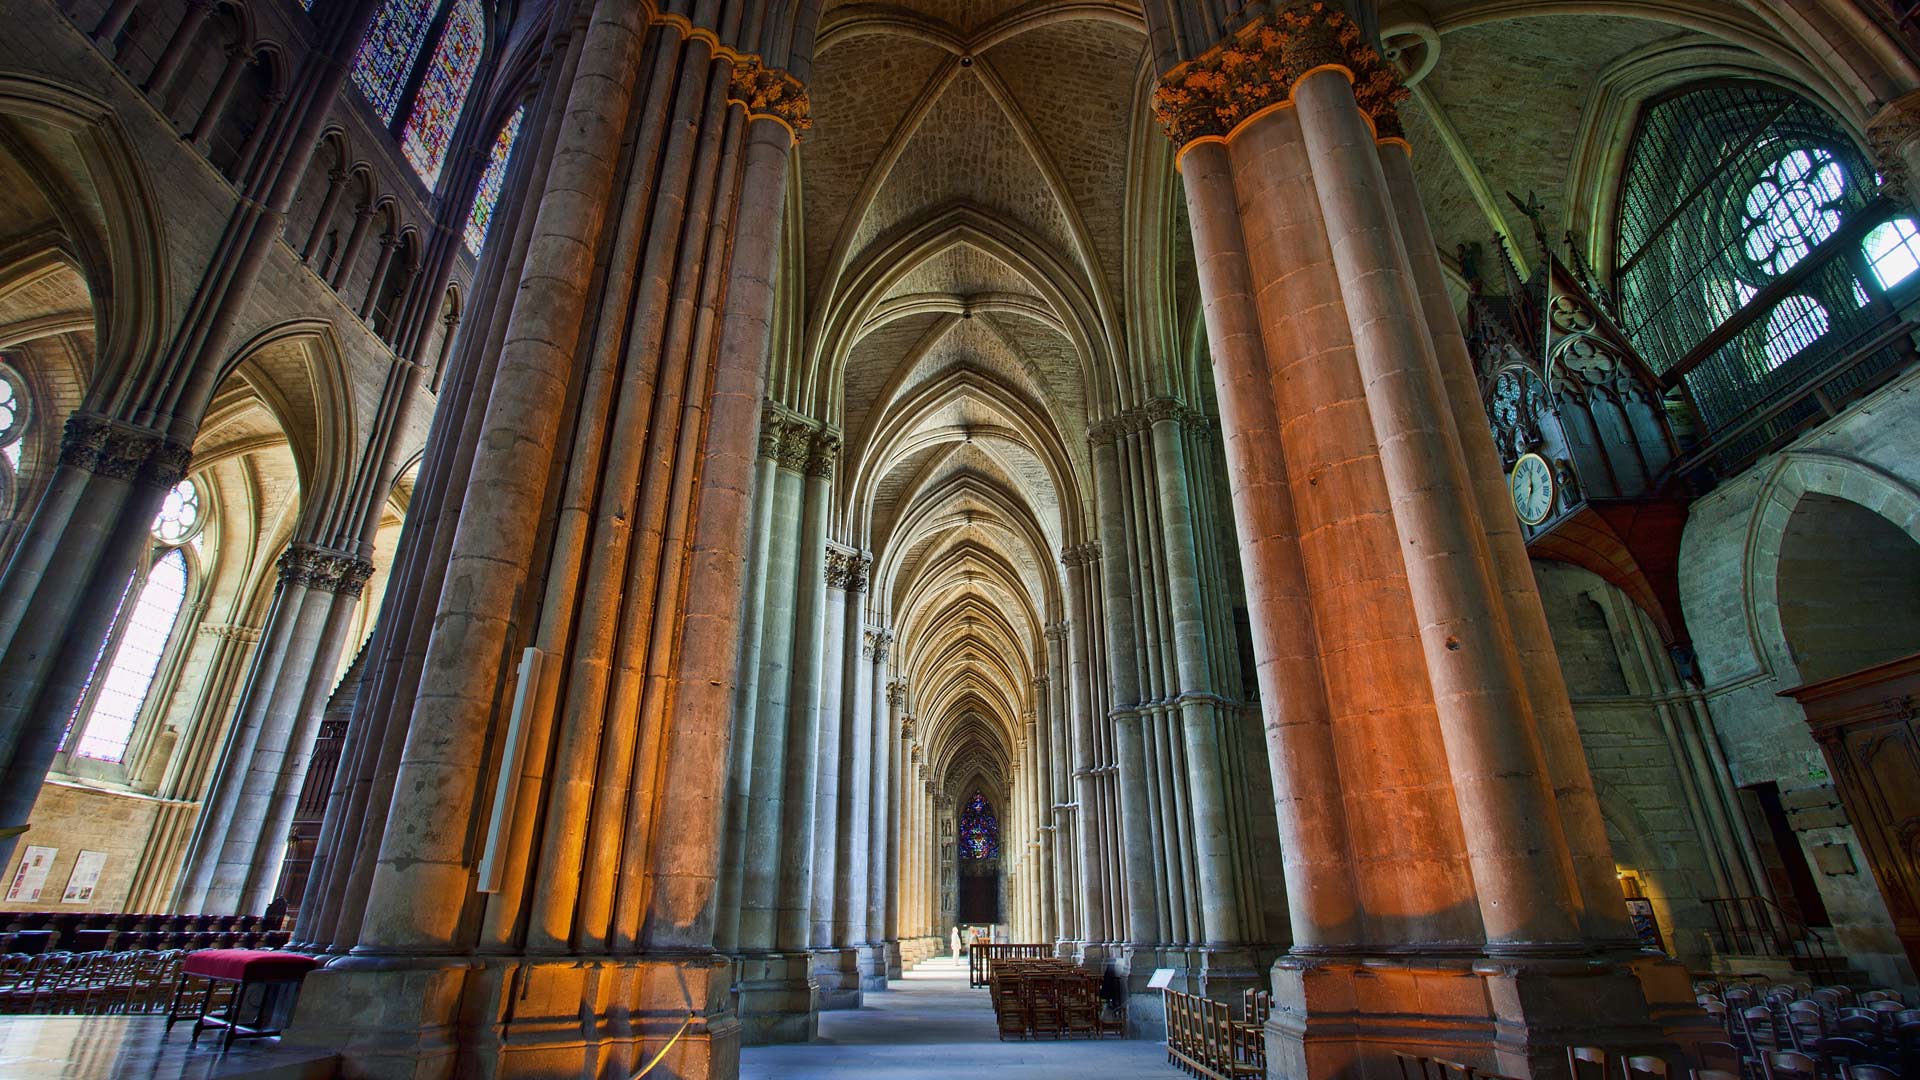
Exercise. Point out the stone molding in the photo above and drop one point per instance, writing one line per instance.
(315, 567)
(231, 631)
(120, 451)
(1258, 65)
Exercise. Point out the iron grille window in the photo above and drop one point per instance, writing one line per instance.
(1728, 189)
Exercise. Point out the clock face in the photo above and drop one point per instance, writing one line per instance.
(1531, 485)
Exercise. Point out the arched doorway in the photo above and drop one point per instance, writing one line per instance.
(1848, 585)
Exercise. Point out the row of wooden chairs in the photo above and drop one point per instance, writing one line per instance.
(1832, 1026)
(1205, 1039)
(89, 941)
(983, 958)
(1052, 999)
(90, 983)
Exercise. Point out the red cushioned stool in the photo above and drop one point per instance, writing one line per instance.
(236, 971)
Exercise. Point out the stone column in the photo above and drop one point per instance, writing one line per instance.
(186, 34)
(902, 727)
(238, 60)
(1469, 874)
(842, 564)
(336, 187)
(746, 693)
(1205, 781)
(1306, 774)
(1061, 810)
(886, 713)
(62, 585)
(836, 968)
(856, 808)
(637, 333)
(233, 863)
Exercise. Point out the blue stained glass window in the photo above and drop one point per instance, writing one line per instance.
(443, 91)
(388, 51)
(979, 830)
(481, 217)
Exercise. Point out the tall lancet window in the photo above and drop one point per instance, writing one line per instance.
(443, 90)
(388, 51)
(979, 830)
(480, 218)
(139, 640)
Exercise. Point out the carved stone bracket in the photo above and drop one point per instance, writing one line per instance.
(1258, 65)
(122, 451)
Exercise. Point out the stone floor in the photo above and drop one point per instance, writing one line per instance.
(931, 1025)
(927, 1025)
(138, 1048)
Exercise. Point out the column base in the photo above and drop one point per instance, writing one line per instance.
(873, 967)
(424, 1018)
(777, 998)
(837, 973)
(1509, 1016)
(896, 966)
(1219, 973)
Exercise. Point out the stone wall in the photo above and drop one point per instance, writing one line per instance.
(87, 819)
(1731, 583)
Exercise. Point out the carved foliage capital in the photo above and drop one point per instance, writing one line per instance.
(822, 450)
(1080, 554)
(314, 567)
(1896, 125)
(122, 452)
(847, 569)
(1258, 65)
(772, 93)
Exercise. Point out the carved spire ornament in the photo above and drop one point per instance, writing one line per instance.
(1257, 66)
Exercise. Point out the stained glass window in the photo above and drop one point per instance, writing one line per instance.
(143, 641)
(443, 90)
(179, 517)
(1893, 250)
(481, 217)
(13, 415)
(979, 830)
(388, 51)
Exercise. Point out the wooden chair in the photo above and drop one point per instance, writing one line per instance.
(1756, 1024)
(1713, 1074)
(1720, 1057)
(1637, 1066)
(1806, 1026)
(1789, 1065)
(1080, 1008)
(1586, 1061)
(1882, 994)
(1412, 1066)
(1868, 1072)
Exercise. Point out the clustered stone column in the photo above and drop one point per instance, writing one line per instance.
(522, 852)
(233, 863)
(64, 582)
(1388, 595)
(1181, 743)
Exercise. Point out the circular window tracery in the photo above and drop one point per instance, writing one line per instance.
(179, 517)
(13, 413)
(1796, 203)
